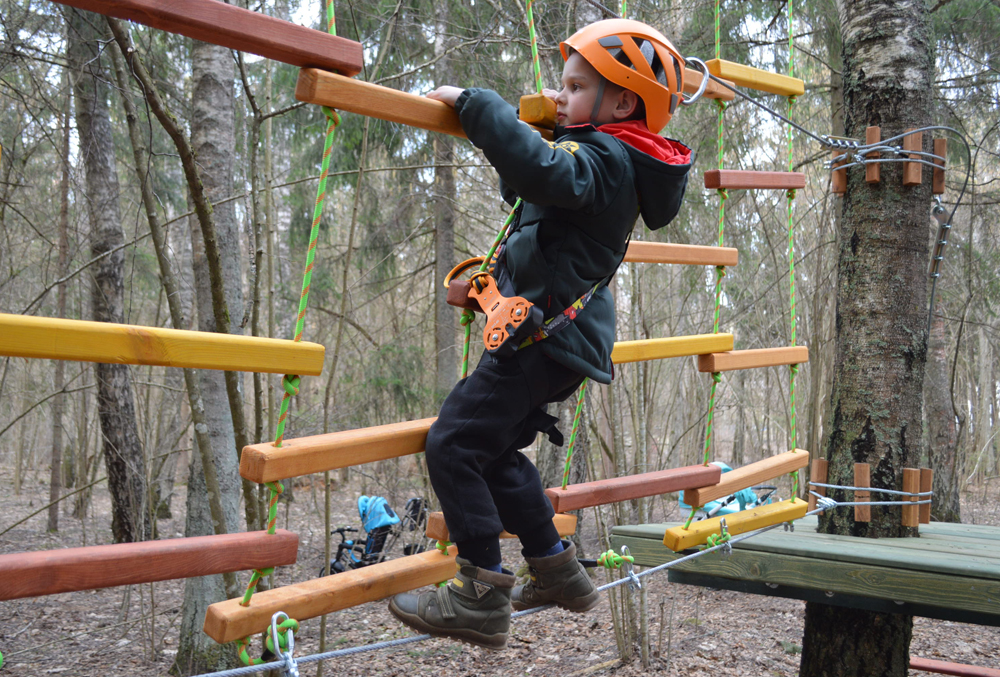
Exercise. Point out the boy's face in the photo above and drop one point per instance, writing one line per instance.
(575, 103)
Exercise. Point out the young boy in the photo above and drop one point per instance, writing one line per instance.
(581, 197)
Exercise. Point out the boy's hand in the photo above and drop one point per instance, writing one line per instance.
(446, 94)
(550, 93)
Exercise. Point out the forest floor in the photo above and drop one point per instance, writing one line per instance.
(693, 631)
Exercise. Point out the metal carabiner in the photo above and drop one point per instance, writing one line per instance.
(633, 580)
(289, 666)
(939, 213)
(705, 77)
(727, 547)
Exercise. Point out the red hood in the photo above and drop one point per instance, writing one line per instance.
(636, 134)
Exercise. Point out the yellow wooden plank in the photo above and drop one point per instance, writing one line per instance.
(538, 109)
(755, 78)
(749, 475)
(438, 530)
(675, 346)
(679, 538)
(228, 621)
(752, 359)
(306, 455)
(57, 339)
(688, 254)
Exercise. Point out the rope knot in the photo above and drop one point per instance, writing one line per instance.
(291, 384)
(794, 368)
(790, 194)
(332, 116)
(717, 377)
(791, 100)
(720, 104)
(720, 271)
(723, 193)
(612, 560)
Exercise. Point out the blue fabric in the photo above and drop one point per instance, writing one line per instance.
(375, 512)
(554, 550)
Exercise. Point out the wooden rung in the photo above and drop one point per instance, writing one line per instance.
(862, 478)
(955, 669)
(692, 81)
(228, 621)
(755, 78)
(752, 359)
(911, 485)
(384, 103)
(873, 171)
(236, 28)
(32, 574)
(678, 538)
(688, 254)
(926, 484)
(817, 473)
(306, 455)
(617, 489)
(838, 177)
(941, 150)
(56, 339)
(675, 346)
(737, 178)
(748, 475)
(538, 109)
(438, 530)
(913, 171)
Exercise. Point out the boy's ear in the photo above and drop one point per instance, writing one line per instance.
(626, 104)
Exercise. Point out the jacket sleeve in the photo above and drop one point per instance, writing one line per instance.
(568, 174)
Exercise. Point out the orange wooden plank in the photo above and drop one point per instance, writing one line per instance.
(236, 28)
(689, 254)
(617, 489)
(873, 171)
(862, 478)
(941, 150)
(438, 530)
(228, 621)
(538, 109)
(306, 455)
(713, 90)
(752, 359)
(956, 669)
(748, 475)
(817, 473)
(926, 484)
(838, 184)
(913, 171)
(911, 484)
(32, 574)
(737, 178)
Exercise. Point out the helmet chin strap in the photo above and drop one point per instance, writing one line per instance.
(598, 101)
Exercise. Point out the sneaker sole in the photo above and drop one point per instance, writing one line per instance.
(495, 642)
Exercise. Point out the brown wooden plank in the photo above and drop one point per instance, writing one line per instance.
(913, 171)
(748, 475)
(838, 180)
(752, 359)
(941, 150)
(873, 172)
(862, 478)
(617, 489)
(911, 484)
(32, 574)
(926, 484)
(228, 621)
(692, 80)
(306, 455)
(688, 254)
(736, 179)
(438, 530)
(817, 473)
(947, 668)
(237, 28)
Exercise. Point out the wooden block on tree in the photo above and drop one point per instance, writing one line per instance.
(231, 26)
(752, 359)
(617, 489)
(862, 478)
(817, 473)
(384, 103)
(911, 485)
(926, 484)
(713, 90)
(318, 453)
(941, 150)
(755, 78)
(838, 177)
(438, 530)
(32, 574)
(873, 171)
(947, 668)
(679, 538)
(56, 339)
(913, 171)
(748, 475)
(538, 109)
(675, 346)
(739, 179)
(228, 621)
(688, 254)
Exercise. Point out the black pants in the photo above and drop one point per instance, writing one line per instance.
(484, 483)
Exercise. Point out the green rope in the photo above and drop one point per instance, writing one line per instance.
(572, 435)
(624, 9)
(687, 523)
(718, 43)
(790, 200)
(612, 560)
(715, 539)
(716, 379)
(283, 628)
(535, 61)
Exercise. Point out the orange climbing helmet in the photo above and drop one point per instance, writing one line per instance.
(634, 56)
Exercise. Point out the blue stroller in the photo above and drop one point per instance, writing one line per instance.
(382, 527)
(735, 502)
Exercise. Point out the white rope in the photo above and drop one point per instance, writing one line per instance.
(872, 490)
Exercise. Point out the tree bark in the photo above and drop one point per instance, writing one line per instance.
(122, 446)
(942, 431)
(876, 404)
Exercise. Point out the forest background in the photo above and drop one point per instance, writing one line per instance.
(402, 207)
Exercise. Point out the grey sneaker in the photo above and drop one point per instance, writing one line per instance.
(474, 607)
(559, 579)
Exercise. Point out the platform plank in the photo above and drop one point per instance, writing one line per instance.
(57, 339)
(616, 489)
(32, 574)
(749, 475)
(674, 346)
(688, 254)
(755, 78)
(231, 26)
(736, 179)
(755, 358)
(228, 621)
(438, 530)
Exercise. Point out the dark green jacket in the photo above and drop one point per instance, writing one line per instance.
(581, 198)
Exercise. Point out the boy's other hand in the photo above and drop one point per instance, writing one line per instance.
(446, 94)
(550, 93)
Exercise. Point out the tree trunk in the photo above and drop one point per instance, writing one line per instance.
(122, 447)
(942, 432)
(877, 405)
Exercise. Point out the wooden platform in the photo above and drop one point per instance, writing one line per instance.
(57, 339)
(951, 572)
(616, 489)
(688, 254)
(32, 574)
